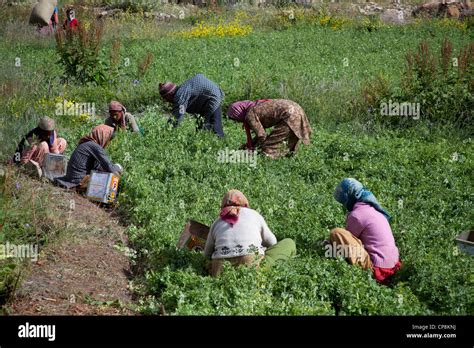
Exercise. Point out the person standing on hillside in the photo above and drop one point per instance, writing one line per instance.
(288, 119)
(45, 15)
(70, 22)
(198, 95)
(367, 239)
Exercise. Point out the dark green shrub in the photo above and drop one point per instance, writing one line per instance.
(442, 83)
(82, 56)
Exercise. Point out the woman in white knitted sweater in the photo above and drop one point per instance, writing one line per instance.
(241, 235)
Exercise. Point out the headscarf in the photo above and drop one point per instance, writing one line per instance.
(238, 112)
(231, 204)
(102, 134)
(350, 191)
(167, 88)
(117, 106)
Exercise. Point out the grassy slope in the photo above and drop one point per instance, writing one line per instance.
(171, 176)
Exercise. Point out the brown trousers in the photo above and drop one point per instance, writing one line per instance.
(356, 254)
(274, 146)
(248, 260)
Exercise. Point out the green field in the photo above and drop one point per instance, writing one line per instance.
(419, 169)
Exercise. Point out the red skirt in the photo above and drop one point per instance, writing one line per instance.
(383, 275)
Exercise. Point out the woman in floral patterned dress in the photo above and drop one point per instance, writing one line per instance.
(287, 118)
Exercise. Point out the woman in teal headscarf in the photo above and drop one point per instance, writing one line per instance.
(367, 239)
(350, 191)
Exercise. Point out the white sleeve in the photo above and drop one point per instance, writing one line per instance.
(209, 247)
(268, 238)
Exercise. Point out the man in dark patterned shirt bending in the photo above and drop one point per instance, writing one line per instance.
(198, 95)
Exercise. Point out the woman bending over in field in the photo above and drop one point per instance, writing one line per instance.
(367, 240)
(198, 95)
(241, 235)
(89, 155)
(287, 117)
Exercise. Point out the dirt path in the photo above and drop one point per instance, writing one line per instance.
(82, 271)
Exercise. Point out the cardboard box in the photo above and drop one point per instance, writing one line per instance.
(102, 187)
(465, 242)
(54, 165)
(194, 236)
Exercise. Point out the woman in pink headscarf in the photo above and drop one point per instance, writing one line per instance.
(287, 117)
(241, 236)
(119, 118)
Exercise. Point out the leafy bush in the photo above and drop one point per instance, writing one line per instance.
(370, 23)
(295, 16)
(81, 54)
(132, 6)
(375, 91)
(443, 84)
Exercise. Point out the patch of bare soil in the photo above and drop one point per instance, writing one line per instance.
(82, 272)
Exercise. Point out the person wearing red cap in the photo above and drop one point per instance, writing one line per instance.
(198, 95)
(121, 119)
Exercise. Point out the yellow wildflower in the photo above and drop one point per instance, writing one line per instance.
(234, 28)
